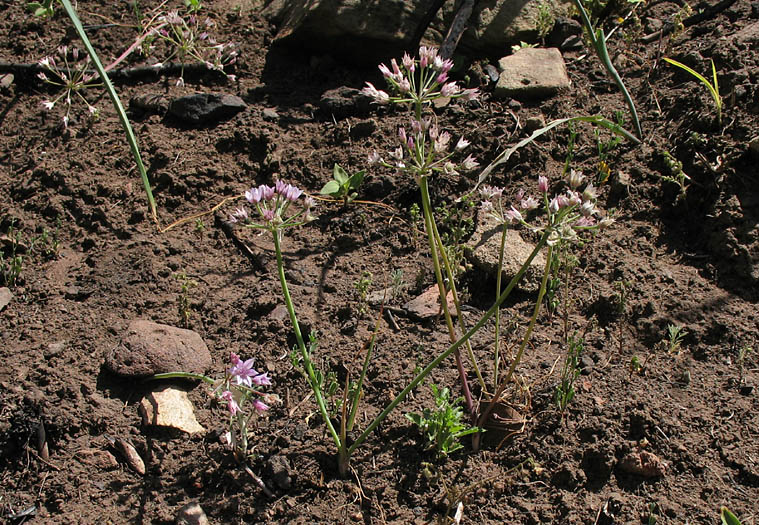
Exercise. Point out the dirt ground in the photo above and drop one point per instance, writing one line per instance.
(685, 260)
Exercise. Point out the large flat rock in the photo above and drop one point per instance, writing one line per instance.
(366, 32)
(532, 73)
(482, 251)
(148, 348)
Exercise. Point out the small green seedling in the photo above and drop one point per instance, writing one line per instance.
(712, 87)
(728, 518)
(362, 286)
(343, 186)
(565, 390)
(675, 336)
(443, 426)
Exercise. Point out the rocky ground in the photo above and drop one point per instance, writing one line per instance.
(99, 296)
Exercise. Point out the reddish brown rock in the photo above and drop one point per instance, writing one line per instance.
(149, 348)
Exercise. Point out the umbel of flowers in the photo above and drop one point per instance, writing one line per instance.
(568, 213)
(425, 150)
(273, 208)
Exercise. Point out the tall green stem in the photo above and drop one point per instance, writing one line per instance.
(454, 347)
(456, 302)
(429, 223)
(302, 345)
(496, 361)
(131, 139)
(518, 357)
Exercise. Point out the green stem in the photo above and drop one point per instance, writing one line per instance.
(302, 345)
(360, 384)
(455, 346)
(457, 303)
(599, 44)
(131, 139)
(525, 340)
(429, 222)
(181, 375)
(497, 362)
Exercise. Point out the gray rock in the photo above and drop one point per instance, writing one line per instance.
(483, 253)
(206, 108)
(270, 114)
(344, 102)
(278, 469)
(5, 297)
(534, 124)
(149, 348)
(532, 73)
(191, 514)
(563, 28)
(365, 32)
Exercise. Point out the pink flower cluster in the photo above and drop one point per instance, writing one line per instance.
(418, 84)
(70, 75)
(243, 373)
(413, 154)
(568, 212)
(272, 202)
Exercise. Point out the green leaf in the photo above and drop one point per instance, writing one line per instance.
(728, 518)
(331, 188)
(356, 179)
(339, 174)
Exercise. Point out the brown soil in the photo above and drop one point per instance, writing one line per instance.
(686, 262)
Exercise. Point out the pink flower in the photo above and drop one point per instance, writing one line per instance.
(408, 62)
(242, 371)
(380, 97)
(232, 405)
(268, 215)
(385, 71)
(293, 193)
(574, 179)
(260, 406)
(462, 144)
(528, 203)
(449, 89)
(470, 94)
(48, 104)
(240, 214)
(261, 379)
(267, 192)
(512, 215)
(469, 163)
(374, 158)
(543, 184)
(253, 195)
(584, 222)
